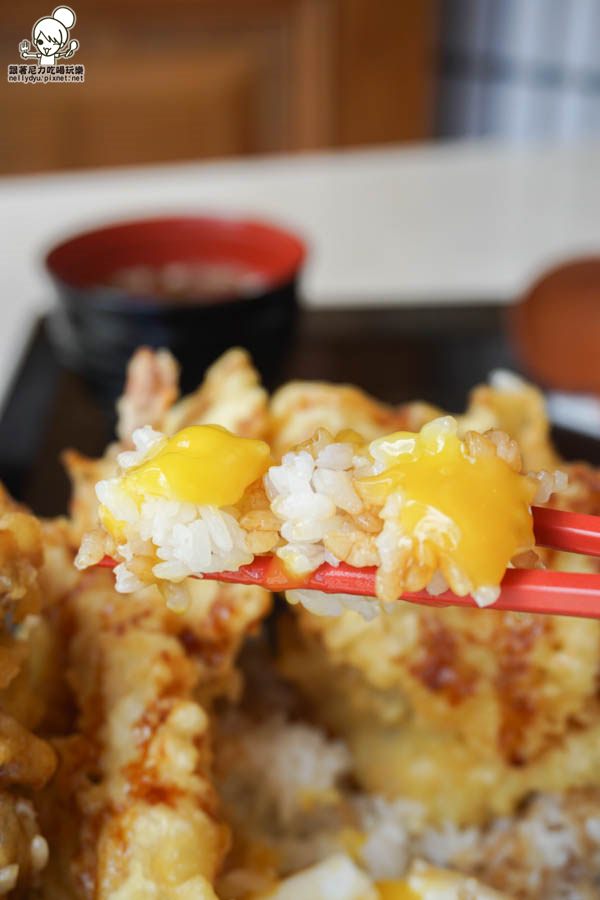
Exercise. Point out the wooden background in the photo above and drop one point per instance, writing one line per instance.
(190, 79)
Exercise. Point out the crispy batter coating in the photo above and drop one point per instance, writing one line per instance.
(514, 406)
(151, 389)
(299, 409)
(27, 683)
(143, 678)
(466, 711)
(230, 395)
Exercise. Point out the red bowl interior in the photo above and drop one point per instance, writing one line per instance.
(89, 259)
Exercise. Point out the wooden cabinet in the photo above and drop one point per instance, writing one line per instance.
(189, 79)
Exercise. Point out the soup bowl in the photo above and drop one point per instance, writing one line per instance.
(193, 284)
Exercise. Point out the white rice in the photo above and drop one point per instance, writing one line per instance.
(387, 827)
(308, 494)
(280, 764)
(285, 764)
(322, 604)
(549, 483)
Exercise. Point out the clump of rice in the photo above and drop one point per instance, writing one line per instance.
(320, 517)
(309, 494)
(285, 767)
(549, 483)
(282, 773)
(409, 562)
(387, 827)
(176, 539)
(322, 604)
(324, 519)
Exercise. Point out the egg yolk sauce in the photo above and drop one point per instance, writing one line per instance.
(456, 507)
(396, 890)
(171, 511)
(202, 464)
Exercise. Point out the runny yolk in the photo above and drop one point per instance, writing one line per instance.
(475, 508)
(202, 464)
(396, 890)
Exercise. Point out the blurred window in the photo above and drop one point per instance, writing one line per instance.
(520, 69)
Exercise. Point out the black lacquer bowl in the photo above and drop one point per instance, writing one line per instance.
(99, 322)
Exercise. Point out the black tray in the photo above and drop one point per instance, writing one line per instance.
(432, 353)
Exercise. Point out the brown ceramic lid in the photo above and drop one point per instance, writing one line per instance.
(556, 327)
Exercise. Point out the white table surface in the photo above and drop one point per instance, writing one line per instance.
(466, 222)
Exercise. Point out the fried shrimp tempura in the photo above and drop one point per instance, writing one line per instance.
(230, 395)
(138, 768)
(150, 390)
(26, 760)
(149, 813)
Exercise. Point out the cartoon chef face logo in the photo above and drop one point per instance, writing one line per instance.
(51, 38)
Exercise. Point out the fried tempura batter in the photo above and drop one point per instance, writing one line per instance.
(149, 826)
(144, 678)
(230, 395)
(26, 761)
(465, 711)
(299, 409)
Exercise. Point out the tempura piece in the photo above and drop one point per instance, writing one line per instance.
(466, 712)
(151, 389)
(230, 395)
(300, 408)
(26, 761)
(150, 824)
(518, 408)
(507, 403)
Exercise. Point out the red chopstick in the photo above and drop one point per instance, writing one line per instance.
(569, 531)
(523, 590)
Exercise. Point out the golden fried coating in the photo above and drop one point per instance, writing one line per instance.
(31, 559)
(151, 389)
(466, 711)
(84, 473)
(21, 557)
(299, 409)
(149, 824)
(230, 395)
(514, 406)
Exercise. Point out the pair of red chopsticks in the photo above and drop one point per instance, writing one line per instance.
(523, 590)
